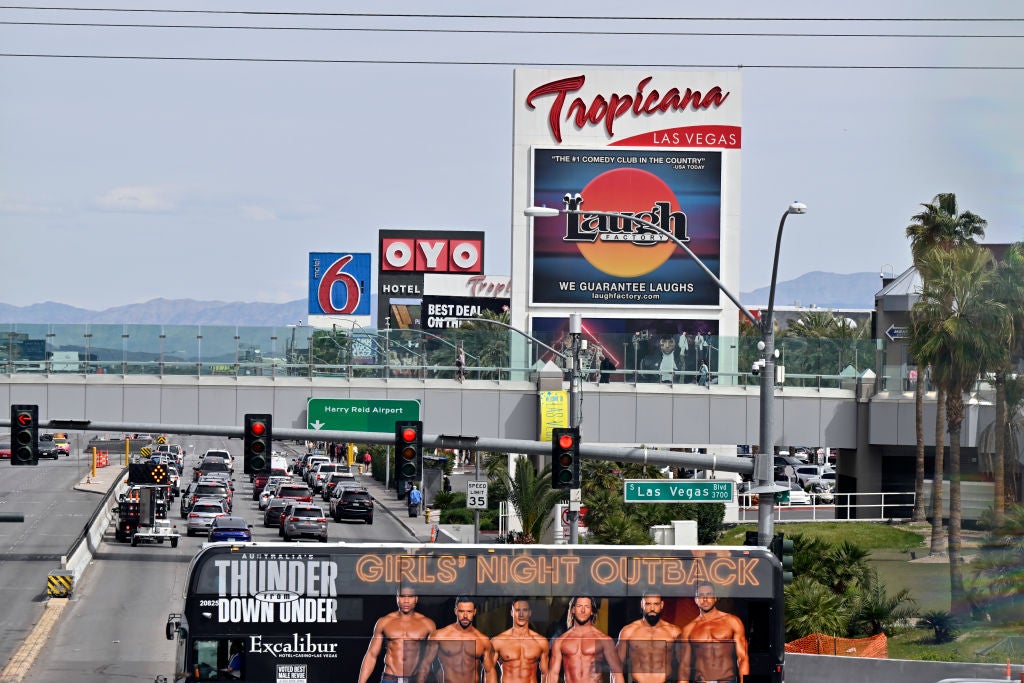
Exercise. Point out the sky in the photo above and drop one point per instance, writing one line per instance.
(212, 173)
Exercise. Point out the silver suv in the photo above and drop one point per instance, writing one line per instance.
(304, 520)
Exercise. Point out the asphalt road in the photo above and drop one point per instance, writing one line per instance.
(54, 516)
(113, 628)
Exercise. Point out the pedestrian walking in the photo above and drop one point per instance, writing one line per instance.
(460, 364)
(415, 498)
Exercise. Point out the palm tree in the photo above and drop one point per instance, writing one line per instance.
(997, 568)
(1008, 288)
(813, 608)
(878, 612)
(953, 308)
(530, 493)
(939, 226)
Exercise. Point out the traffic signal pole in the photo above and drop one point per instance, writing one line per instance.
(575, 417)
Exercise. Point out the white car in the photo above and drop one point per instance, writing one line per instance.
(804, 473)
(269, 489)
(797, 496)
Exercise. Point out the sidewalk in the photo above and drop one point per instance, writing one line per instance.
(104, 479)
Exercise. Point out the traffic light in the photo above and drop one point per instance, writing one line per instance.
(783, 549)
(256, 439)
(24, 435)
(409, 451)
(565, 458)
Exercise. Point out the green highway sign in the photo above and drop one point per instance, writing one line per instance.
(359, 414)
(679, 491)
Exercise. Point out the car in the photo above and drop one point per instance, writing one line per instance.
(202, 514)
(353, 503)
(272, 515)
(304, 520)
(804, 473)
(47, 446)
(5, 451)
(259, 479)
(824, 480)
(230, 529)
(175, 478)
(270, 489)
(294, 492)
(63, 446)
(209, 489)
(797, 495)
(211, 463)
(322, 472)
(336, 479)
(310, 468)
(187, 499)
(172, 451)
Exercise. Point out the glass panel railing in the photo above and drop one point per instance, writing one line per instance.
(498, 354)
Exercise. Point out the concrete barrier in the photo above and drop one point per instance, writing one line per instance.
(85, 546)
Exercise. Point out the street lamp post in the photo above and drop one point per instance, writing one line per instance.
(764, 481)
(572, 360)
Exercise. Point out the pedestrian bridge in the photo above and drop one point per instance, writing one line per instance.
(213, 376)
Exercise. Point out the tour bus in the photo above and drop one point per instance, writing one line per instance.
(298, 612)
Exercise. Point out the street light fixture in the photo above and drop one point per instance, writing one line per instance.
(764, 461)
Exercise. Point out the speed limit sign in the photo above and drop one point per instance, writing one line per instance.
(476, 495)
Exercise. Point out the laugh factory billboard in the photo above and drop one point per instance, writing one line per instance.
(663, 146)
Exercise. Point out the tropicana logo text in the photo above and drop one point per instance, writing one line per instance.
(605, 110)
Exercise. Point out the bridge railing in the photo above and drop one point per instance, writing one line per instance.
(492, 353)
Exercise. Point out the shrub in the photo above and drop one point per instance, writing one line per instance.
(943, 624)
(456, 515)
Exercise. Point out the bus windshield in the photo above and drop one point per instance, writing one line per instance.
(401, 613)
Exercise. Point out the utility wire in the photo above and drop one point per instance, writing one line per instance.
(435, 62)
(572, 17)
(747, 34)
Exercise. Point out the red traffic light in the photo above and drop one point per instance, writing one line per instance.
(258, 428)
(566, 441)
(408, 434)
(24, 419)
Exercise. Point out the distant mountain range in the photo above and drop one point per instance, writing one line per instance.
(819, 289)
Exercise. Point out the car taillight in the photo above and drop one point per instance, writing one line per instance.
(193, 515)
(322, 520)
(293, 519)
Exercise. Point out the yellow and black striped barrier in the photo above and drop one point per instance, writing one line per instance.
(59, 584)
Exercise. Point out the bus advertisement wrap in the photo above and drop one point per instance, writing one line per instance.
(388, 611)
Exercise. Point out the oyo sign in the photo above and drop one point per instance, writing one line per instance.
(411, 255)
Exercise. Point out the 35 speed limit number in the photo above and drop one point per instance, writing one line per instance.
(476, 495)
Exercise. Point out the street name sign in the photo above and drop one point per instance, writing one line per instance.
(476, 495)
(679, 491)
(359, 414)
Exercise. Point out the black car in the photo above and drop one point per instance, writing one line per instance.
(353, 503)
(47, 446)
(336, 479)
(210, 464)
(275, 508)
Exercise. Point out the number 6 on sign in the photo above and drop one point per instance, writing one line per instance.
(476, 495)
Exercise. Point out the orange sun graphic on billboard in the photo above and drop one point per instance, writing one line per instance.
(634, 191)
